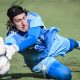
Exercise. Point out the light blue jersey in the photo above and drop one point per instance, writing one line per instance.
(38, 43)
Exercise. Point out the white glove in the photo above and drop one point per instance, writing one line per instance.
(10, 50)
(2, 47)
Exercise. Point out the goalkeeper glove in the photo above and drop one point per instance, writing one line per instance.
(10, 50)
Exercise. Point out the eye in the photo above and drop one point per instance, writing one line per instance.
(18, 20)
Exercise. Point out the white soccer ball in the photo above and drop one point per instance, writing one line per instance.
(4, 65)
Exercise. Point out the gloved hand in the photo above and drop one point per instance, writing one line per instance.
(10, 50)
(2, 47)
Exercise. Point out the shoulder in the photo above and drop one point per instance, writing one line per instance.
(32, 15)
(10, 34)
(34, 19)
(9, 39)
(14, 37)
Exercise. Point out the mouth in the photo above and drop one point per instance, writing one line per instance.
(24, 28)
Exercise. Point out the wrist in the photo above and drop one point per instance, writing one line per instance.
(10, 50)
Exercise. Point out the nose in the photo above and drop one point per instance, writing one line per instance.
(22, 22)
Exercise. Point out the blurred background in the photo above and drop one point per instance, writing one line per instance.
(64, 14)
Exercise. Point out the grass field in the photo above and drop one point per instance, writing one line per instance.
(63, 13)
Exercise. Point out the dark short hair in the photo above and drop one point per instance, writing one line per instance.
(14, 11)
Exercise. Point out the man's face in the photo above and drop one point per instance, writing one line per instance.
(20, 22)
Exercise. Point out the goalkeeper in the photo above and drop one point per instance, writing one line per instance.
(39, 46)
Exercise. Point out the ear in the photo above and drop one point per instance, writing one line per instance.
(12, 23)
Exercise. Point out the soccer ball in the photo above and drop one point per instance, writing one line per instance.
(4, 65)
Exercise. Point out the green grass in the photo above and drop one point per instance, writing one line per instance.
(63, 13)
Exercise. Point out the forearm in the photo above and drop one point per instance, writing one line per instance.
(26, 43)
